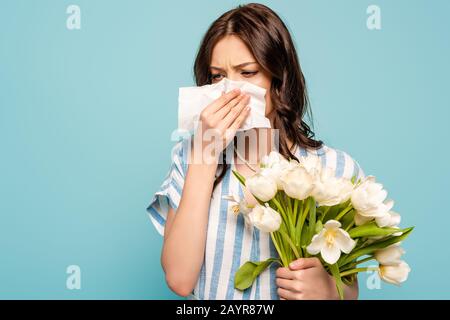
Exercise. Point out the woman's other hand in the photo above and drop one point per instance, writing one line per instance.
(307, 279)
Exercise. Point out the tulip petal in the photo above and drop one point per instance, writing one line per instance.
(395, 218)
(344, 241)
(317, 242)
(332, 224)
(395, 274)
(330, 254)
(360, 219)
(384, 220)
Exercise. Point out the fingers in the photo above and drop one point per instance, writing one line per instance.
(234, 113)
(222, 101)
(291, 285)
(285, 273)
(231, 131)
(222, 112)
(289, 295)
(304, 263)
(240, 119)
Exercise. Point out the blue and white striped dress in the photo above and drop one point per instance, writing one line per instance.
(229, 242)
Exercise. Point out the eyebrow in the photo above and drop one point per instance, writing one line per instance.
(235, 67)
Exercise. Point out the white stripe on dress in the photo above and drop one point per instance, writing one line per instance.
(227, 258)
(331, 159)
(213, 225)
(245, 254)
(349, 166)
(264, 245)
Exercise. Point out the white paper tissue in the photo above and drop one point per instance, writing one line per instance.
(192, 100)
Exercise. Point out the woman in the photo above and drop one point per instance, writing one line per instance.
(204, 244)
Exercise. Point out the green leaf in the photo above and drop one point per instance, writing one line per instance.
(244, 276)
(334, 269)
(240, 177)
(371, 229)
(248, 272)
(263, 265)
(380, 244)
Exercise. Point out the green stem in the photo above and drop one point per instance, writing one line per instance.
(365, 260)
(283, 260)
(302, 220)
(356, 270)
(284, 201)
(278, 205)
(343, 212)
(324, 213)
(287, 216)
(295, 210)
(291, 244)
(350, 225)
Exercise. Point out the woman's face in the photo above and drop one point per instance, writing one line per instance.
(233, 60)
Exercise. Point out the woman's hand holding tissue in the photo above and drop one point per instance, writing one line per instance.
(219, 122)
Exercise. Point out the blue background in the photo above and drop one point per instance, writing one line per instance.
(86, 117)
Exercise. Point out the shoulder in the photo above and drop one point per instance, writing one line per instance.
(340, 161)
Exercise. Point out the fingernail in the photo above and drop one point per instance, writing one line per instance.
(293, 264)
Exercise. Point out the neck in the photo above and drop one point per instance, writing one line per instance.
(255, 143)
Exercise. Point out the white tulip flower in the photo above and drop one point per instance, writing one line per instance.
(273, 166)
(272, 160)
(395, 274)
(389, 256)
(368, 199)
(239, 206)
(359, 219)
(265, 218)
(262, 186)
(390, 219)
(329, 190)
(331, 241)
(297, 182)
(312, 164)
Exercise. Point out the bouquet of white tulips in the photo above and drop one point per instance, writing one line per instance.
(309, 212)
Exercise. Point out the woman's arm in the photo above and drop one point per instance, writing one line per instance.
(185, 230)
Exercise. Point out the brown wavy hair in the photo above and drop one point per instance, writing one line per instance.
(268, 38)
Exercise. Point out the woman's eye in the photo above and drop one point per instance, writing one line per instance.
(215, 76)
(249, 73)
